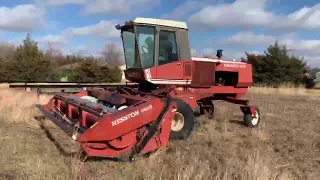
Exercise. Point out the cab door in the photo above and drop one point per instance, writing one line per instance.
(169, 64)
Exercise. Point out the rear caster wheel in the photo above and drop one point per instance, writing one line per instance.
(207, 109)
(249, 120)
(183, 122)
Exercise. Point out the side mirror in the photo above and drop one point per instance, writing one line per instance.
(118, 27)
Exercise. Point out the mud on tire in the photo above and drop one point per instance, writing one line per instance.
(183, 130)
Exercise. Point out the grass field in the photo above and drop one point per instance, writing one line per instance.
(285, 146)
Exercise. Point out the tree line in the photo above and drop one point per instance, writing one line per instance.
(27, 63)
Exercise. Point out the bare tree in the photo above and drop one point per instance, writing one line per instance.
(111, 54)
(52, 51)
(55, 55)
(6, 51)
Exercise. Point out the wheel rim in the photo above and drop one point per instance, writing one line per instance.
(255, 120)
(177, 122)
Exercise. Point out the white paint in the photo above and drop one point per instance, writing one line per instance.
(162, 22)
(235, 65)
(215, 60)
(255, 120)
(146, 108)
(125, 118)
(74, 136)
(131, 115)
(148, 74)
(166, 81)
(123, 67)
(163, 81)
(122, 107)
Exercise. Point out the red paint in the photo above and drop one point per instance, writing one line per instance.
(104, 137)
(174, 70)
(115, 134)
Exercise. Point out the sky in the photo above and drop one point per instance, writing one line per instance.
(236, 26)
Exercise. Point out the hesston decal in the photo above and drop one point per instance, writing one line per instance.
(131, 115)
(235, 65)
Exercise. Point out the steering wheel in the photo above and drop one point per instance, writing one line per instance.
(145, 53)
(143, 49)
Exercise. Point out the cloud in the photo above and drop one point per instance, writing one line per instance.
(59, 2)
(21, 18)
(247, 39)
(83, 50)
(248, 14)
(102, 30)
(52, 39)
(241, 13)
(292, 41)
(119, 7)
(207, 52)
(193, 52)
(237, 55)
(307, 48)
(229, 55)
(16, 41)
(187, 7)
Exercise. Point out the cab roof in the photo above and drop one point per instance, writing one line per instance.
(161, 22)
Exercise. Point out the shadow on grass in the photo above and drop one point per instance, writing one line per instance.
(237, 122)
(61, 150)
(80, 153)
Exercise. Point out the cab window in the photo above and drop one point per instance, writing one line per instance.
(167, 47)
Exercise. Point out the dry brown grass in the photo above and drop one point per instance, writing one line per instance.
(5, 85)
(285, 146)
(286, 91)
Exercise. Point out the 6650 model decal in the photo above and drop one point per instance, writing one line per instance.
(131, 115)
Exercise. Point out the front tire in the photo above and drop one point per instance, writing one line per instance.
(251, 122)
(183, 122)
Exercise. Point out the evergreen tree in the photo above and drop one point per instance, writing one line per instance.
(87, 72)
(277, 67)
(110, 74)
(91, 71)
(29, 64)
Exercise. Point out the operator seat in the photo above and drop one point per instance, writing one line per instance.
(150, 45)
(165, 48)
